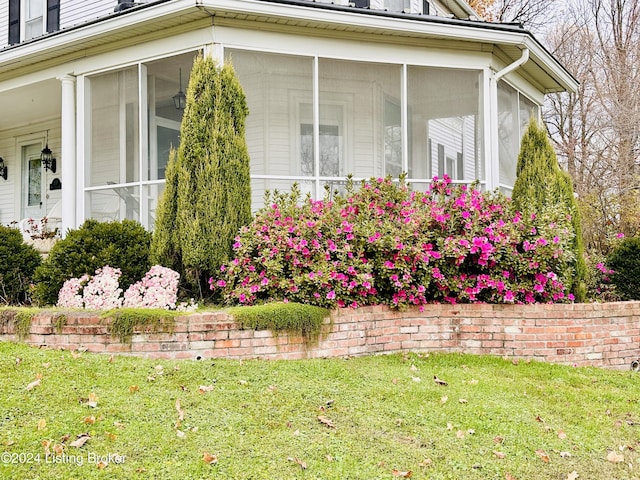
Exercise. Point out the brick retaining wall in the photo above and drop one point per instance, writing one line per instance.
(605, 335)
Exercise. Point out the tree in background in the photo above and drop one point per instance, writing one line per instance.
(207, 197)
(542, 184)
(532, 14)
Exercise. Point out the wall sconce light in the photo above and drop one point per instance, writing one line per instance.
(180, 99)
(3, 169)
(47, 158)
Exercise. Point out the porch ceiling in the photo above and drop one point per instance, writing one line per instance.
(30, 104)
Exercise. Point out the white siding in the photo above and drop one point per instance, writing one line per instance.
(73, 12)
(4, 23)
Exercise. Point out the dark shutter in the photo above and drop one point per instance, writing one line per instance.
(14, 21)
(362, 3)
(425, 7)
(53, 15)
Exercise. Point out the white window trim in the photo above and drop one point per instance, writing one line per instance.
(24, 20)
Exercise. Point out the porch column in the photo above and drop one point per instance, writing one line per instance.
(68, 153)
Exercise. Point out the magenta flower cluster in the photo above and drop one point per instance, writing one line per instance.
(386, 244)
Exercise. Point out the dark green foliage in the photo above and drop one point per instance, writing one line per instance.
(123, 245)
(625, 263)
(541, 183)
(296, 318)
(207, 196)
(18, 262)
(125, 320)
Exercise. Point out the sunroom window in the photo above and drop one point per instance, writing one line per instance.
(132, 126)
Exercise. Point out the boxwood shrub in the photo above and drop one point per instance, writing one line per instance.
(18, 262)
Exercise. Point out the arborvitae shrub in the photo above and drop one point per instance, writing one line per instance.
(18, 261)
(123, 245)
(541, 183)
(625, 263)
(208, 195)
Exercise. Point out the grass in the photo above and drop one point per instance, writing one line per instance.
(260, 419)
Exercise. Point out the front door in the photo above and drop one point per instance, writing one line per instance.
(33, 185)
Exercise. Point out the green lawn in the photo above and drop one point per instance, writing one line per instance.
(359, 418)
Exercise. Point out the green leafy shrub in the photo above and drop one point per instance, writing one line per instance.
(18, 262)
(123, 245)
(625, 263)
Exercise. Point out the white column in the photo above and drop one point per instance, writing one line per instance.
(67, 161)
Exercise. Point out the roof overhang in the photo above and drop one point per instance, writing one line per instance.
(157, 17)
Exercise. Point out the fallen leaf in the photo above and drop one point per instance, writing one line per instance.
(111, 436)
(46, 444)
(46, 364)
(151, 378)
(329, 458)
(499, 454)
(64, 438)
(444, 399)
(93, 400)
(449, 426)
(615, 457)
(303, 465)
(179, 410)
(42, 424)
(58, 449)
(543, 456)
(159, 369)
(508, 476)
(90, 420)
(573, 475)
(394, 381)
(425, 463)
(562, 435)
(209, 458)
(471, 431)
(324, 420)
(498, 440)
(118, 424)
(539, 419)
(75, 355)
(398, 473)
(462, 400)
(296, 433)
(515, 361)
(110, 358)
(460, 434)
(272, 388)
(18, 360)
(134, 388)
(473, 381)
(101, 465)
(8, 443)
(439, 382)
(205, 388)
(34, 384)
(565, 454)
(242, 382)
(416, 379)
(180, 434)
(413, 368)
(80, 441)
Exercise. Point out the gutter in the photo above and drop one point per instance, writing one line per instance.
(511, 67)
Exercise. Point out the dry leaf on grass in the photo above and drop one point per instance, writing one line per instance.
(561, 434)
(439, 382)
(80, 440)
(209, 458)
(34, 384)
(134, 389)
(508, 476)
(324, 420)
(302, 465)
(543, 456)
(403, 474)
(573, 475)
(179, 410)
(42, 424)
(90, 420)
(444, 399)
(93, 400)
(498, 454)
(205, 388)
(615, 457)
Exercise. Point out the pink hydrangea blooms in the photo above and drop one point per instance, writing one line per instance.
(158, 289)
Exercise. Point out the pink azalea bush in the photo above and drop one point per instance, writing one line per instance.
(385, 244)
(158, 289)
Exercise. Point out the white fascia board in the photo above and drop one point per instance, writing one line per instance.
(428, 27)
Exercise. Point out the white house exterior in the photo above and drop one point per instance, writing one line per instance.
(367, 87)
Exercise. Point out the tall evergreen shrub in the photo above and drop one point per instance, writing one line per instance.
(207, 197)
(541, 183)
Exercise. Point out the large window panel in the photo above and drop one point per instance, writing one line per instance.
(279, 91)
(360, 110)
(112, 204)
(445, 131)
(114, 135)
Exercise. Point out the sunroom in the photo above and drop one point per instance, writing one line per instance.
(332, 91)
